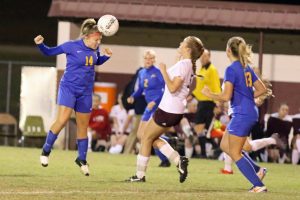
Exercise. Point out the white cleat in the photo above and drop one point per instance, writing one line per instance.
(84, 167)
(258, 189)
(44, 160)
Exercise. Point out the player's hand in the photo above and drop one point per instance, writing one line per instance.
(39, 39)
(162, 67)
(108, 52)
(130, 100)
(151, 105)
(206, 91)
(189, 98)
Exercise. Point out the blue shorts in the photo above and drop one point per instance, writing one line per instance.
(241, 125)
(68, 97)
(148, 113)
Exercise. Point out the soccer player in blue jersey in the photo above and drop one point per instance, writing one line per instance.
(76, 87)
(151, 84)
(240, 87)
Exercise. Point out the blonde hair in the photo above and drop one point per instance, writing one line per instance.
(150, 52)
(88, 26)
(241, 50)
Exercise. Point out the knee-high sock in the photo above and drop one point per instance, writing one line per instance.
(261, 143)
(202, 142)
(141, 165)
(227, 162)
(248, 171)
(254, 165)
(295, 157)
(298, 144)
(51, 138)
(188, 151)
(82, 148)
(170, 153)
(161, 156)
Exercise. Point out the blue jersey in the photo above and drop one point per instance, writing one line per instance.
(242, 100)
(151, 83)
(81, 60)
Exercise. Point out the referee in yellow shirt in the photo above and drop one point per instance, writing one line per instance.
(208, 76)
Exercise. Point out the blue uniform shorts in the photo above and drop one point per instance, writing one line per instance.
(68, 97)
(241, 125)
(148, 113)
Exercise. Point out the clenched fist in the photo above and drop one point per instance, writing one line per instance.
(39, 39)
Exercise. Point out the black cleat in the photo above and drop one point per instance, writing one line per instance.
(165, 164)
(83, 166)
(182, 168)
(135, 179)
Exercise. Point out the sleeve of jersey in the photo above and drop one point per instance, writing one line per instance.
(216, 87)
(179, 70)
(229, 75)
(51, 51)
(140, 89)
(101, 59)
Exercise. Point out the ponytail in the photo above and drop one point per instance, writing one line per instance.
(88, 26)
(197, 49)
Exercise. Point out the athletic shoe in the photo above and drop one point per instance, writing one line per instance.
(182, 168)
(84, 167)
(136, 179)
(262, 173)
(258, 189)
(165, 163)
(279, 142)
(44, 158)
(224, 171)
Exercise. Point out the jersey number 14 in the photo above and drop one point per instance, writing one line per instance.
(88, 61)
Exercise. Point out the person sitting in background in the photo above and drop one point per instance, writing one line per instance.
(122, 125)
(296, 139)
(99, 126)
(280, 123)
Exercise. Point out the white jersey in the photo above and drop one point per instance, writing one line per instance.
(121, 115)
(176, 102)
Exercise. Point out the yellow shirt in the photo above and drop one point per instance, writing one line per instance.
(208, 77)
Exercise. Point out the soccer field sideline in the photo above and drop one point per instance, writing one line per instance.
(22, 177)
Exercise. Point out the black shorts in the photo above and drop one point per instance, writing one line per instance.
(166, 119)
(205, 113)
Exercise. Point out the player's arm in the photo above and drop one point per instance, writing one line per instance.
(225, 95)
(260, 88)
(47, 51)
(105, 57)
(173, 85)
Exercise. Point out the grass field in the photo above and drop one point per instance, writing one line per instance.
(22, 177)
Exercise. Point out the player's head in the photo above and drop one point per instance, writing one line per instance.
(96, 101)
(205, 58)
(239, 49)
(192, 47)
(283, 110)
(90, 33)
(149, 58)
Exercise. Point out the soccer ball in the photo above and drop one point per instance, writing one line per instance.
(108, 25)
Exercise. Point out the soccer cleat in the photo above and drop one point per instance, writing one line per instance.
(262, 173)
(44, 158)
(136, 179)
(258, 189)
(279, 142)
(224, 171)
(182, 168)
(83, 166)
(165, 164)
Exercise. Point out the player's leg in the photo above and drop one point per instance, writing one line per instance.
(63, 116)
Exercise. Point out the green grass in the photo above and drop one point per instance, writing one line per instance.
(22, 177)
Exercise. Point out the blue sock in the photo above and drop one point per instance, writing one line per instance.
(82, 145)
(51, 138)
(248, 171)
(254, 165)
(161, 156)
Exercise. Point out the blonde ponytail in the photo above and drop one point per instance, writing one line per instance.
(240, 50)
(88, 26)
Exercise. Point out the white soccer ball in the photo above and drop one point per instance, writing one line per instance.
(108, 25)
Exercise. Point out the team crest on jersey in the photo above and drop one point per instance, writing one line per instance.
(153, 75)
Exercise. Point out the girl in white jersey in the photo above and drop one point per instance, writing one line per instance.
(170, 110)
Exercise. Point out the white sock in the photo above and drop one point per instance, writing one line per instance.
(282, 159)
(295, 157)
(141, 165)
(261, 143)
(298, 145)
(187, 130)
(227, 162)
(170, 153)
(118, 149)
(188, 151)
(112, 150)
(90, 135)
